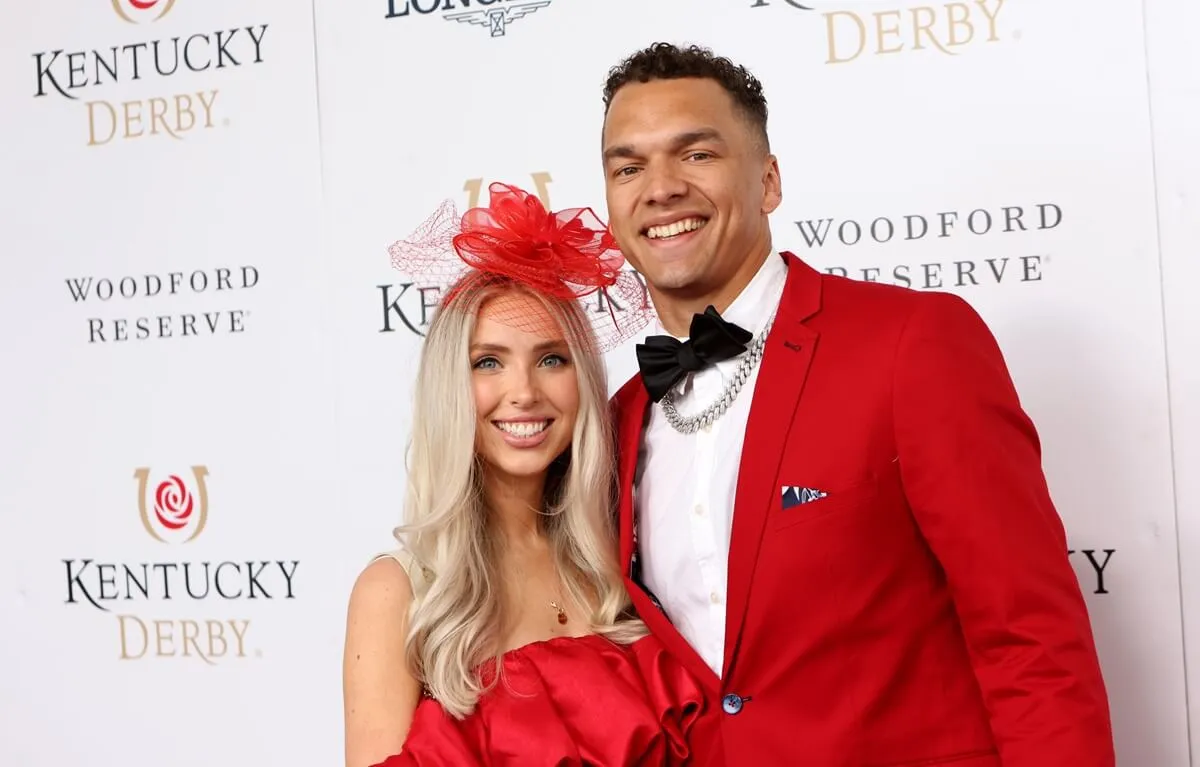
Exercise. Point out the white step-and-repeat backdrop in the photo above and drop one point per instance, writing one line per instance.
(209, 359)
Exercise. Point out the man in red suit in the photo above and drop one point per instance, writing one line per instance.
(832, 504)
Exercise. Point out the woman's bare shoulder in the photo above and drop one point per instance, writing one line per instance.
(383, 591)
(381, 693)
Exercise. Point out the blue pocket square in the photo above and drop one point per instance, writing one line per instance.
(795, 496)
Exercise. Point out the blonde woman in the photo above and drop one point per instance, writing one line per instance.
(501, 630)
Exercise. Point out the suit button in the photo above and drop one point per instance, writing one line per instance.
(731, 703)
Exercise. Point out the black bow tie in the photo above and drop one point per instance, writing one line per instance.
(664, 360)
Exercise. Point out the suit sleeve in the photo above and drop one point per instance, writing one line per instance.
(970, 459)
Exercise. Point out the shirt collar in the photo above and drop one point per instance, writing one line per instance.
(756, 303)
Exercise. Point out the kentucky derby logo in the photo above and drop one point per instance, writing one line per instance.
(174, 512)
(138, 11)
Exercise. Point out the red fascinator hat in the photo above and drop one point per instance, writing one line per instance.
(565, 255)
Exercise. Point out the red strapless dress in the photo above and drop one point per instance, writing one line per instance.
(568, 702)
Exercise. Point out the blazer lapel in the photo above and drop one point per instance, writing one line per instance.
(662, 628)
(631, 419)
(784, 367)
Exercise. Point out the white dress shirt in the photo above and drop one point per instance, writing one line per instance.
(686, 484)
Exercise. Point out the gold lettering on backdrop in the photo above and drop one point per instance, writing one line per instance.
(924, 27)
(832, 37)
(141, 628)
(991, 17)
(946, 28)
(957, 24)
(881, 30)
(172, 116)
(207, 640)
(541, 182)
(164, 635)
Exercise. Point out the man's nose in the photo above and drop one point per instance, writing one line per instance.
(664, 184)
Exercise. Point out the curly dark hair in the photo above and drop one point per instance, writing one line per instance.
(664, 61)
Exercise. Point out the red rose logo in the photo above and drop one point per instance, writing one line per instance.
(136, 11)
(176, 506)
(173, 503)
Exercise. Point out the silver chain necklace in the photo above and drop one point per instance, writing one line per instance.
(718, 408)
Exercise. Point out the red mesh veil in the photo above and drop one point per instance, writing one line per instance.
(565, 255)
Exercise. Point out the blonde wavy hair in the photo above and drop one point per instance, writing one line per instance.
(455, 617)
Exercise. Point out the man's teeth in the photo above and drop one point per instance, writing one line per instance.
(523, 428)
(670, 230)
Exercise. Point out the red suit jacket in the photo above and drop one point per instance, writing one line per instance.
(923, 612)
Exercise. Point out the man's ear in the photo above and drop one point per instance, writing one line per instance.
(772, 185)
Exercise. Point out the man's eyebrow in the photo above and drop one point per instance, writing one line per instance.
(627, 151)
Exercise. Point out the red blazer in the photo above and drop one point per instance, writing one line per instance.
(924, 611)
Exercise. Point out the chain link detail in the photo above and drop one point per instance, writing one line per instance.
(717, 409)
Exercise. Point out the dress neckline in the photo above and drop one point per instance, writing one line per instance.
(551, 642)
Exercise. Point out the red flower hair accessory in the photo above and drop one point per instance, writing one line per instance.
(564, 255)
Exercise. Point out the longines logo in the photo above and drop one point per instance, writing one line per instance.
(947, 28)
(818, 233)
(161, 324)
(409, 305)
(177, 512)
(793, 3)
(122, 65)
(141, 11)
(492, 15)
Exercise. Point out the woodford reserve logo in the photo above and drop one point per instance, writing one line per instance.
(175, 608)
(150, 304)
(860, 246)
(115, 70)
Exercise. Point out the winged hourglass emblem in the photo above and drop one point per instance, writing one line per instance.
(498, 19)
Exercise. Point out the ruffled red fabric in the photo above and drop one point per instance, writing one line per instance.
(568, 702)
(567, 255)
